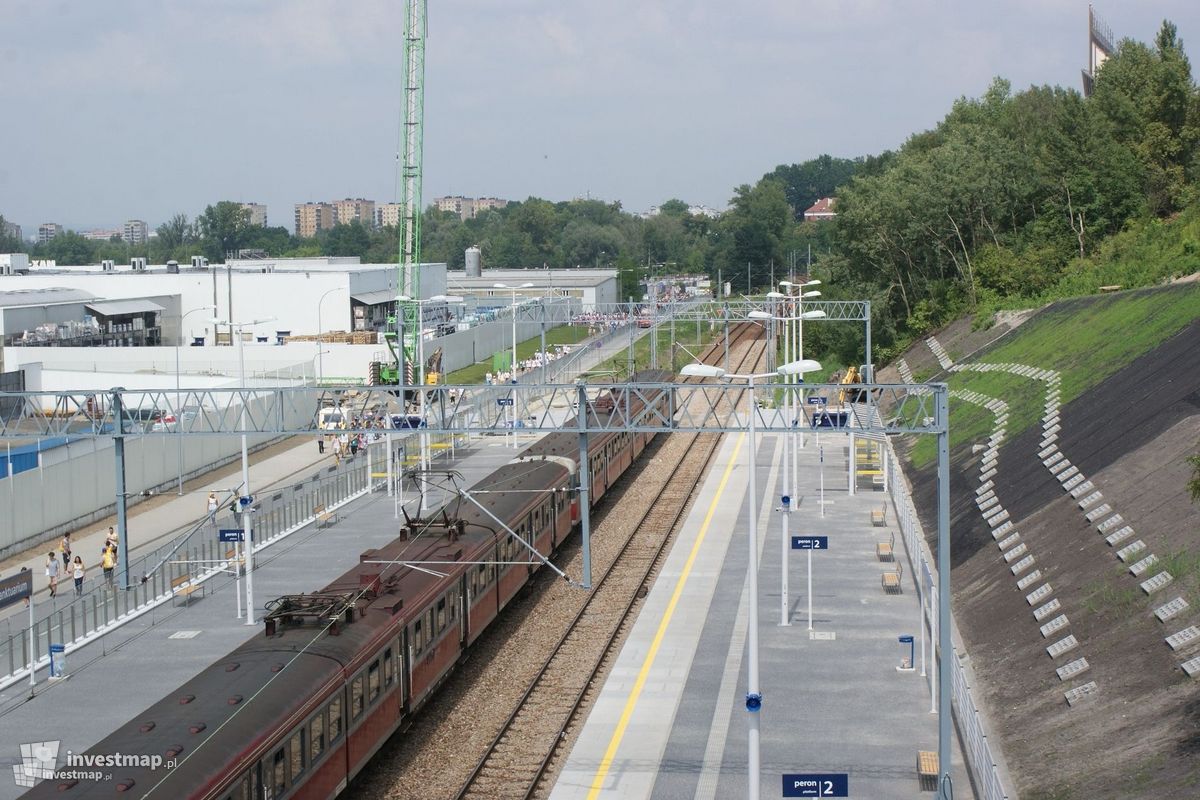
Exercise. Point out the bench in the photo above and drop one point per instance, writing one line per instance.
(236, 560)
(883, 550)
(324, 516)
(184, 586)
(891, 579)
(879, 518)
(927, 769)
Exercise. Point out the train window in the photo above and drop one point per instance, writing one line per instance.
(429, 631)
(279, 779)
(441, 615)
(418, 644)
(356, 698)
(296, 753)
(453, 604)
(241, 789)
(316, 737)
(373, 681)
(389, 668)
(335, 719)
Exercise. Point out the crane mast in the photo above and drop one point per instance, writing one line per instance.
(410, 370)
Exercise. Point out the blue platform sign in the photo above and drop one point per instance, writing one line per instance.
(16, 588)
(504, 401)
(815, 784)
(810, 543)
(230, 535)
(817, 401)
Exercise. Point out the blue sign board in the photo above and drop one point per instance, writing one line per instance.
(830, 419)
(230, 535)
(16, 588)
(504, 401)
(816, 784)
(817, 401)
(810, 543)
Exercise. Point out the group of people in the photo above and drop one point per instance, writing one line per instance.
(524, 365)
(73, 565)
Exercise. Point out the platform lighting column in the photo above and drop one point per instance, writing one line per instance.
(247, 536)
(513, 367)
(585, 476)
(753, 696)
(943, 566)
(178, 404)
(118, 408)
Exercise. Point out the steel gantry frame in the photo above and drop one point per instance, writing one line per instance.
(889, 409)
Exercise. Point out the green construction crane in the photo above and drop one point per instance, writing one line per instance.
(406, 367)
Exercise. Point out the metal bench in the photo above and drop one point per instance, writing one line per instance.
(883, 550)
(184, 586)
(879, 518)
(236, 560)
(324, 516)
(927, 769)
(891, 579)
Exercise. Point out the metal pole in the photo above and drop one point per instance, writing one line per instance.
(944, 643)
(122, 519)
(32, 643)
(320, 354)
(246, 530)
(585, 474)
(786, 543)
(726, 337)
(178, 412)
(869, 377)
(810, 625)
(753, 697)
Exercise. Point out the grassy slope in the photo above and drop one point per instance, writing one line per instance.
(564, 334)
(1085, 342)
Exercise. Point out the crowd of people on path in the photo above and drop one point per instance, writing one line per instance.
(73, 566)
(536, 361)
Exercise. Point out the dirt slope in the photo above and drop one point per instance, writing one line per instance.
(1140, 735)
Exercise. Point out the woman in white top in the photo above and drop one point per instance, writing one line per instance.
(52, 572)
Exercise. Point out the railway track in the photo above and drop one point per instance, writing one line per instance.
(521, 756)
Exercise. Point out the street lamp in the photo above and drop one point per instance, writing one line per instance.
(178, 404)
(320, 330)
(513, 289)
(753, 697)
(248, 543)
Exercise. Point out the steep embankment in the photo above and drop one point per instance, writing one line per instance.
(1128, 371)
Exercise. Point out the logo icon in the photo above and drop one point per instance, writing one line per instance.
(38, 763)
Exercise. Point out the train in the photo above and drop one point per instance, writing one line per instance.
(298, 711)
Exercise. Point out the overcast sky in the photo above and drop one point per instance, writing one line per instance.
(146, 108)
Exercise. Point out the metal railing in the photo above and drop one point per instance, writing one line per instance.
(990, 779)
(200, 555)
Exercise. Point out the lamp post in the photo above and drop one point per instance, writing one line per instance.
(178, 404)
(799, 336)
(513, 366)
(320, 330)
(246, 528)
(753, 697)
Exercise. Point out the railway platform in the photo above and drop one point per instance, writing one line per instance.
(117, 676)
(670, 722)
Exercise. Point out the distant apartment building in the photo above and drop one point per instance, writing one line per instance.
(101, 234)
(48, 230)
(388, 214)
(258, 213)
(12, 229)
(354, 209)
(313, 217)
(135, 231)
(468, 207)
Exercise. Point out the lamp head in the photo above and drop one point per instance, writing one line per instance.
(813, 315)
(776, 295)
(702, 371)
(758, 315)
(799, 367)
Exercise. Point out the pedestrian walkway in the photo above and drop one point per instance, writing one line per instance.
(846, 697)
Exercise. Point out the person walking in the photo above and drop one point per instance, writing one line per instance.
(337, 451)
(65, 547)
(321, 445)
(108, 563)
(77, 572)
(212, 508)
(110, 541)
(354, 445)
(52, 572)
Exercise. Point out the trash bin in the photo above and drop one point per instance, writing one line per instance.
(58, 661)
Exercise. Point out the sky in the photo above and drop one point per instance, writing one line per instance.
(147, 108)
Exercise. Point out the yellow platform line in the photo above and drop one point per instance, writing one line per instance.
(631, 703)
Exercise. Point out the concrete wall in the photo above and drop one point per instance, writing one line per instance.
(75, 484)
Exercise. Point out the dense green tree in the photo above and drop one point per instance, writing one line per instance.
(223, 229)
(804, 184)
(8, 242)
(343, 239)
(68, 249)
